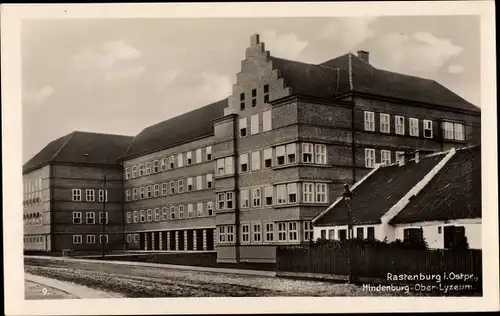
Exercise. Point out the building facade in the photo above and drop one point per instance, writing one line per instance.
(250, 172)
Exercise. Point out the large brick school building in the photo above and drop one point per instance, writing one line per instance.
(244, 174)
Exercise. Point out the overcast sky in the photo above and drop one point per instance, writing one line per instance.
(120, 76)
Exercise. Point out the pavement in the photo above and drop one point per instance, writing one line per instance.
(168, 266)
(61, 289)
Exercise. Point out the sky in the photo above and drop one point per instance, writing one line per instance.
(121, 75)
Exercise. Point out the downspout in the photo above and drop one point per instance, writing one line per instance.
(236, 190)
(125, 245)
(353, 127)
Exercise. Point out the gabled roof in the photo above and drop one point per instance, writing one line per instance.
(188, 126)
(81, 148)
(454, 193)
(368, 79)
(374, 197)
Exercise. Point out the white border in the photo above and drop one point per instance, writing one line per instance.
(12, 160)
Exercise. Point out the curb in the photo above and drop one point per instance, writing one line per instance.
(167, 266)
(79, 291)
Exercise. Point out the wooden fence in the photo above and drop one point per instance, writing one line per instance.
(375, 264)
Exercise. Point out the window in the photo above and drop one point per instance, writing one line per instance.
(189, 184)
(308, 231)
(291, 153)
(254, 98)
(369, 121)
(370, 233)
(190, 211)
(222, 234)
(414, 127)
(266, 93)
(90, 217)
(180, 185)
(208, 152)
(230, 233)
(181, 211)
(399, 122)
(385, 123)
(268, 193)
(254, 124)
(136, 238)
(308, 192)
(321, 194)
(245, 233)
(413, 235)
(149, 191)
(427, 129)
(342, 234)
(331, 234)
(268, 158)
(198, 156)
(453, 236)
(189, 158)
(266, 121)
(307, 153)
(243, 127)
(199, 182)
(148, 168)
(103, 195)
(293, 233)
(157, 214)
(269, 232)
(77, 217)
(180, 160)
(209, 181)
(164, 213)
(155, 166)
(77, 195)
(210, 208)
(292, 192)
(143, 216)
(369, 158)
(242, 101)
(320, 151)
(229, 200)
(221, 201)
(225, 166)
(280, 155)
(448, 130)
(459, 131)
(163, 164)
(256, 196)
(156, 190)
(141, 170)
(281, 194)
(127, 195)
(400, 156)
(103, 218)
(172, 212)
(77, 239)
(134, 171)
(360, 232)
(136, 216)
(385, 157)
(199, 209)
(90, 239)
(257, 232)
(244, 198)
(255, 160)
(103, 239)
(141, 193)
(129, 238)
(172, 187)
(164, 188)
(149, 215)
(90, 195)
(127, 173)
(171, 161)
(244, 163)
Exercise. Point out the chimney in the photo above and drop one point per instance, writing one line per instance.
(254, 39)
(364, 55)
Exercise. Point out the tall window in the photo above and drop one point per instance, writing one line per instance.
(127, 195)
(308, 192)
(189, 184)
(244, 163)
(157, 214)
(280, 155)
(369, 121)
(269, 231)
(459, 131)
(199, 182)
(148, 168)
(141, 193)
(268, 193)
(127, 173)
(307, 152)
(221, 201)
(225, 166)
(77, 239)
(189, 158)
(208, 152)
(385, 123)
(156, 190)
(180, 185)
(90, 195)
(210, 208)
(385, 157)
(163, 164)
(414, 127)
(293, 232)
(149, 191)
(291, 153)
(141, 170)
(448, 130)
(427, 129)
(399, 122)
(255, 160)
(282, 232)
(171, 162)
(134, 171)
(209, 181)
(243, 127)
(229, 200)
(172, 187)
(199, 209)
(230, 233)
(190, 211)
(268, 158)
(266, 93)
(308, 231)
(222, 234)
(266, 121)
(142, 216)
(245, 233)
(292, 192)
(256, 197)
(198, 155)
(103, 218)
(90, 239)
(164, 188)
(155, 166)
(164, 213)
(77, 217)
(254, 122)
(360, 232)
(242, 101)
(321, 193)
(181, 211)
(320, 151)
(281, 194)
(135, 216)
(254, 98)
(369, 158)
(172, 212)
(91, 217)
(370, 233)
(77, 195)
(244, 198)
(103, 195)
(180, 160)
(257, 231)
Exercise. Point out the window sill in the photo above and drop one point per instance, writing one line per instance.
(303, 164)
(299, 205)
(224, 176)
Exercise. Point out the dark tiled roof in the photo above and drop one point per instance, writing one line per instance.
(368, 79)
(182, 128)
(81, 147)
(307, 79)
(454, 193)
(379, 192)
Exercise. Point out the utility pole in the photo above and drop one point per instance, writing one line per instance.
(347, 199)
(104, 219)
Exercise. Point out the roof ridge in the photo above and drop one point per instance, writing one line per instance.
(62, 146)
